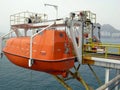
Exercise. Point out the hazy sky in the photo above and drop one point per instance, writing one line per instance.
(108, 11)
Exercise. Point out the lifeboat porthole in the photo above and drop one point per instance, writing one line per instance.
(61, 35)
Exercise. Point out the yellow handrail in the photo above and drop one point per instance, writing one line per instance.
(106, 47)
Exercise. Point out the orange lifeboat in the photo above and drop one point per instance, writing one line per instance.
(52, 52)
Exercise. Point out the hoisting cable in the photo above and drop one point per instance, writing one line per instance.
(31, 77)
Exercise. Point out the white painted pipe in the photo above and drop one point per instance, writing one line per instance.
(78, 49)
(109, 83)
(29, 62)
(43, 29)
(7, 33)
(106, 60)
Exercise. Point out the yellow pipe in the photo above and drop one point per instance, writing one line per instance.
(119, 51)
(97, 78)
(104, 45)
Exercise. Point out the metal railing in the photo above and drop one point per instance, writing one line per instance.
(22, 17)
(88, 15)
(1, 41)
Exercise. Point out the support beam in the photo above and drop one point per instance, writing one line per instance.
(103, 62)
(117, 73)
(77, 76)
(61, 81)
(95, 75)
(107, 73)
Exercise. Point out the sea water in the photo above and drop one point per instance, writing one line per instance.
(13, 77)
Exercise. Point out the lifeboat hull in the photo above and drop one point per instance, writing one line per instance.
(52, 52)
(52, 67)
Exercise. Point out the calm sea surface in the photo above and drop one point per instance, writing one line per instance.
(16, 78)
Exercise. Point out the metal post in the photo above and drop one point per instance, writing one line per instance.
(56, 12)
(119, 51)
(117, 86)
(25, 32)
(106, 52)
(107, 76)
(30, 60)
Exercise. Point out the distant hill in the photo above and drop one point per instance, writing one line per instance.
(109, 27)
(109, 34)
(108, 31)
